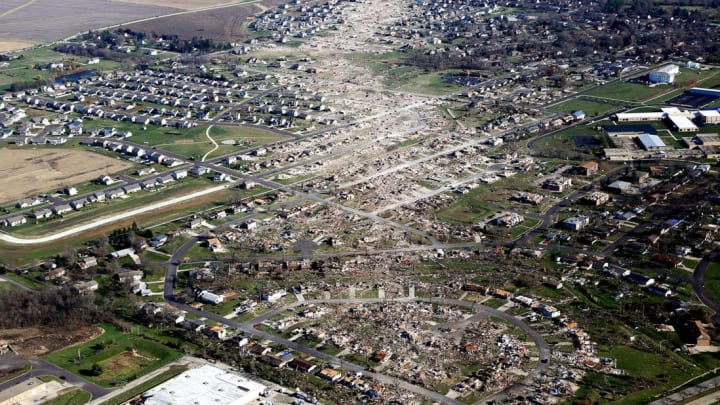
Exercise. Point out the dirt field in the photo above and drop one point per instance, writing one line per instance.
(182, 4)
(36, 342)
(125, 363)
(49, 20)
(14, 45)
(25, 172)
(225, 24)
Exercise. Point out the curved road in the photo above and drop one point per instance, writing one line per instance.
(698, 283)
(248, 327)
(42, 367)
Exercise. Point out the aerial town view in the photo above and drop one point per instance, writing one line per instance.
(223, 202)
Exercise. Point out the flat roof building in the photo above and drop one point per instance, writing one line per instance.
(707, 139)
(651, 142)
(683, 124)
(206, 385)
(644, 116)
(706, 92)
(709, 116)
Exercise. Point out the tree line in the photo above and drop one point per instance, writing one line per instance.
(51, 307)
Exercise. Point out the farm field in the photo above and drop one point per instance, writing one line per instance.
(225, 24)
(185, 4)
(24, 172)
(114, 358)
(50, 20)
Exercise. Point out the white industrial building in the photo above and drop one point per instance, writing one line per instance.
(206, 385)
(665, 74)
(709, 116)
(644, 116)
(683, 124)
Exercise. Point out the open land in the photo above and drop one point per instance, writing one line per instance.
(48, 20)
(27, 171)
(227, 24)
(35, 342)
(185, 4)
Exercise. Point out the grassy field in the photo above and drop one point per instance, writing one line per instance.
(465, 210)
(21, 70)
(74, 396)
(190, 140)
(27, 282)
(591, 108)
(7, 287)
(650, 367)
(122, 357)
(713, 270)
(564, 140)
(712, 289)
(625, 91)
(430, 83)
(633, 92)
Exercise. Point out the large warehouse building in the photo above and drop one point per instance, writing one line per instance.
(665, 74)
(709, 116)
(651, 142)
(206, 385)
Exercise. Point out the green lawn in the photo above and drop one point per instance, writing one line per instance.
(145, 386)
(467, 209)
(653, 371)
(426, 83)
(634, 92)
(27, 281)
(75, 396)
(7, 287)
(113, 351)
(712, 288)
(591, 108)
(191, 141)
(21, 70)
(628, 91)
(713, 270)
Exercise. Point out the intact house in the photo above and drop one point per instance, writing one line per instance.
(180, 174)
(15, 221)
(105, 180)
(42, 213)
(158, 240)
(210, 298)
(28, 202)
(61, 209)
(119, 254)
